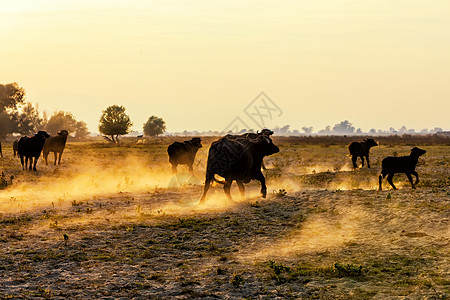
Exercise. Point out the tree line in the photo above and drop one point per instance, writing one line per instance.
(19, 116)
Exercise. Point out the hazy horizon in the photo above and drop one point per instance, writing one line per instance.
(199, 65)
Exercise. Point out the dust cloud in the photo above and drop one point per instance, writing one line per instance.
(60, 186)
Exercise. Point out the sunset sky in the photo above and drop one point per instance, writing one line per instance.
(198, 64)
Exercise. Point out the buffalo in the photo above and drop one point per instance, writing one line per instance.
(252, 135)
(31, 147)
(55, 144)
(404, 164)
(361, 149)
(184, 153)
(237, 159)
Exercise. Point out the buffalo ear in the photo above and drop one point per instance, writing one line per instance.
(59, 133)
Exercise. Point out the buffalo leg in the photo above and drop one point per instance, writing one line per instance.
(59, 160)
(389, 179)
(362, 161)
(241, 188)
(56, 156)
(191, 169)
(367, 159)
(205, 190)
(22, 162)
(417, 177)
(380, 181)
(45, 155)
(174, 168)
(35, 162)
(410, 180)
(354, 158)
(227, 188)
(260, 177)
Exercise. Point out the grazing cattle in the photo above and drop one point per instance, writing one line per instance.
(15, 148)
(237, 159)
(404, 164)
(251, 135)
(184, 153)
(55, 144)
(29, 147)
(361, 149)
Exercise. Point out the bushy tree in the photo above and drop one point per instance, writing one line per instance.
(436, 130)
(60, 120)
(27, 120)
(326, 130)
(307, 130)
(154, 126)
(11, 95)
(5, 125)
(344, 127)
(114, 122)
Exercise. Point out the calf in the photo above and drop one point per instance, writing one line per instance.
(31, 147)
(361, 149)
(404, 164)
(55, 144)
(184, 153)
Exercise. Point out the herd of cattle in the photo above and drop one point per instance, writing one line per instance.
(29, 148)
(233, 157)
(240, 158)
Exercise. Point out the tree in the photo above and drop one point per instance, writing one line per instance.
(436, 130)
(326, 130)
(114, 122)
(307, 130)
(343, 128)
(5, 125)
(284, 130)
(27, 121)
(11, 95)
(154, 126)
(65, 120)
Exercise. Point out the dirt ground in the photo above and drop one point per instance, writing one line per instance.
(114, 222)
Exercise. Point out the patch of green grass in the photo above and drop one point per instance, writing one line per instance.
(237, 280)
(278, 270)
(348, 270)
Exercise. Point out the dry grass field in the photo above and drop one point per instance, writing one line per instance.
(114, 222)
